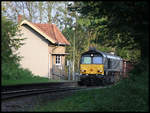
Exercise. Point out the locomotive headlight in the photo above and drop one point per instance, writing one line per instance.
(83, 70)
(99, 71)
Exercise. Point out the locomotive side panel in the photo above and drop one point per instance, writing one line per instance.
(113, 63)
(105, 63)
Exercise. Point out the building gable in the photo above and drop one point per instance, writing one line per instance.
(48, 31)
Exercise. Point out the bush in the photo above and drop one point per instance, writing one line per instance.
(13, 71)
(12, 74)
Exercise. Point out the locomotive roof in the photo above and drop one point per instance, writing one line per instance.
(107, 55)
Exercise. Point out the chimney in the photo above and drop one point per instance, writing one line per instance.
(19, 18)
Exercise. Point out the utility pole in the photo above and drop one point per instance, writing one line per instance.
(73, 68)
(69, 65)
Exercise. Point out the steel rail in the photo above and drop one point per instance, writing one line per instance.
(19, 93)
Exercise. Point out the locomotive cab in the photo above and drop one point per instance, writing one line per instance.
(91, 64)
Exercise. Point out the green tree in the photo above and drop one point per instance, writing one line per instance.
(126, 25)
(9, 42)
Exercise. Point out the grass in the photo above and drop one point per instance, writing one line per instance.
(29, 80)
(13, 74)
(130, 95)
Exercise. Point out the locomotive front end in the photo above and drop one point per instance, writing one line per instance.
(91, 68)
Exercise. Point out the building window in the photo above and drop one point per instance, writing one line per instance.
(58, 60)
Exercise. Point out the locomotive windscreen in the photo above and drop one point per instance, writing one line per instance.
(97, 60)
(88, 59)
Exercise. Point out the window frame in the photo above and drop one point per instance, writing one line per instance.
(58, 60)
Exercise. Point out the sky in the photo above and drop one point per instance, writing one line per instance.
(10, 12)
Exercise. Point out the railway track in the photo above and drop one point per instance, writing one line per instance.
(33, 89)
(37, 86)
(20, 93)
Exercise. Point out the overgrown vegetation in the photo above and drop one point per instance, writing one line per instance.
(130, 94)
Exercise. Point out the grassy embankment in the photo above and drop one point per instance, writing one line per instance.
(12, 74)
(129, 95)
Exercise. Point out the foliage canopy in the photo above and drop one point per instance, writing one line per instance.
(122, 25)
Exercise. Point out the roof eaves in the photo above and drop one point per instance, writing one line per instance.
(38, 30)
(61, 44)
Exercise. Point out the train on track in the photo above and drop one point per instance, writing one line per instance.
(99, 68)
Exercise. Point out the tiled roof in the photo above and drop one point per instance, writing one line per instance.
(53, 32)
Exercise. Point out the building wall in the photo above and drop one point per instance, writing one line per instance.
(58, 50)
(50, 59)
(35, 52)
